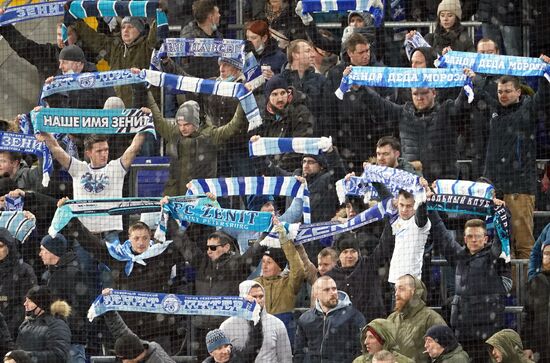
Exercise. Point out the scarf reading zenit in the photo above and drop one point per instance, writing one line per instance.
(16, 14)
(280, 145)
(157, 303)
(28, 144)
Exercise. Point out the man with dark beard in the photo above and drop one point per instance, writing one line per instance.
(412, 318)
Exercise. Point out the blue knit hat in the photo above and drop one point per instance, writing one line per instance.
(232, 62)
(58, 245)
(256, 202)
(215, 339)
(273, 84)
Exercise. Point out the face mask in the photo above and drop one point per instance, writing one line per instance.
(214, 27)
(260, 49)
(70, 71)
(229, 79)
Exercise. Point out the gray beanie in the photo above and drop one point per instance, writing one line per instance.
(189, 112)
(215, 339)
(72, 53)
(135, 22)
(113, 103)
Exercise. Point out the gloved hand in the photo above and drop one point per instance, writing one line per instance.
(306, 18)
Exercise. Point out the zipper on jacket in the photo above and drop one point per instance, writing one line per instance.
(323, 340)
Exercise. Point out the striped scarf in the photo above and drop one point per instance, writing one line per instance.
(279, 145)
(16, 14)
(17, 224)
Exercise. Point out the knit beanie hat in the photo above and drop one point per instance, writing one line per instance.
(443, 335)
(356, 13)
(113, 102)
(189, 112)
(41, 296)
(346, 242)
(58, 245)
(320, 158)
(128, 346)
(72, 53)
(19, 356)
(450, 5)
(256, 202)
(277, 255)
(232, 62)
(135, 22)
(215, 339)
(273, 84)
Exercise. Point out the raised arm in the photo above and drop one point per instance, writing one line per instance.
(131, 152)
(310, 270)
(295, 263)
(167, 130)
(93, 40)
(443, 238)
(116, 324)
(57, 151)
(90, 242)
(237, 124)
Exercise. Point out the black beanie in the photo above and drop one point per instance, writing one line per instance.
(273, 84)
(41, 296)
(347, 241)
(72, 53)
(58, 245)
(128, 346)
(277, 255)
(19, 356)
(321, 159)
(444, 336)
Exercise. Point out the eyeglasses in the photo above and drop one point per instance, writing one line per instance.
(213, 247)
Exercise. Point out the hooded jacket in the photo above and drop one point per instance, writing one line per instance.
(508, 342)
(16, 278)
(412, 322)
(385, 330)
(275, 346)
(193, 156)
(457, 355)
(329, 338)
(47, 338)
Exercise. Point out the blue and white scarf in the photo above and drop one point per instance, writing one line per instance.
(270, 185)
(92, 121)
(25, 124)
(18, 14)
(13, 204)
(395, 180)
(496, 64)
(100, 208)
(464, 187)
(355, 186)
(157, 303)
(279, 145)
(208, 47)
(17, 224)
(416, 41)
(323, 230)
(324, 6)
(81, 9)
(405, 78)
(28, 144)
(123, 252)
(210, 87)
(81, 81)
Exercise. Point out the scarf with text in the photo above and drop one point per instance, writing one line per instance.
(16, 14)
(280, 145)
(324, 6)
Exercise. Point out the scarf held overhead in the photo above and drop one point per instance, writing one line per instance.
(157, 303)
(92, 121)
(209, 87)
(28, 144)
(280, 145)
(18, 14)
(19, 226)
(324, 6)
(405, 78)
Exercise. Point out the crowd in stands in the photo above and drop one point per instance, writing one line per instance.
(365, 295)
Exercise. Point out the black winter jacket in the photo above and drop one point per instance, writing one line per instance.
(536, 316)
(457, 38)
(311, 84)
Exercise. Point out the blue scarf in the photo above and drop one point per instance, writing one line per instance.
(17, 224)
(464, 187)
(123, 252)
(281, 145)
(274, 185)
(100, 208)
(210, 87)
(81, 9)
(324, 6)
(92, 121)
(416, 41)
(496, 64)
(157, 303)
(405, 78)
(81, 81)
(17, 14)
(27, 144)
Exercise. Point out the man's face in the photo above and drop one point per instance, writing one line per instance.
(48, 258)
(418, 60)
(372, 344)
(215, 249)
(303, 55)
(186, 128)
(129, 33)
(447, 19)
(29, 304)
(215, 16)
(71, 37)
(279, 98)
(387, 156)
(349, 257)
(360, 56)
(403, 293)
(546, 258)
(7, 165)
(475, 239)
(98, 154)
(508, 94)
(487, 48)
(258, 294)
(327, 293)
(255, 39)
(269, 267)
(357, 21)
(310, 167)
(496, 354)
(221, 354)
(405, 207)
(4, 250)
(227, 70)
(68, 67)
(433, 348)
(325, 264)
(268, 207)
(140, 238)
(423, 98)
